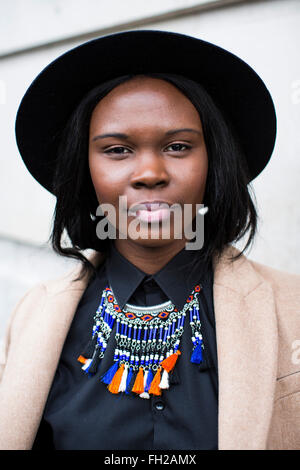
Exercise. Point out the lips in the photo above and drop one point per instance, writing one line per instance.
(150, 211)
(150, 206)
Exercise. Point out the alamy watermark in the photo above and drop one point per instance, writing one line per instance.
(187, 222)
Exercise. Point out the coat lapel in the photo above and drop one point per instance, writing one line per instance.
(246, 332)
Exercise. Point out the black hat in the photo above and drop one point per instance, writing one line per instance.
(233, 85)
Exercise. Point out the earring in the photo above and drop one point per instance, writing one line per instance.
(203, 210)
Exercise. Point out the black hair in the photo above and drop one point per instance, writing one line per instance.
(231, 214)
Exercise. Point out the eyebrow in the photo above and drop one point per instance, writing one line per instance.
(120, 135)
(114, 134)
(186, 129)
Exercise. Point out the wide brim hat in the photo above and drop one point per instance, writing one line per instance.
(234, 86)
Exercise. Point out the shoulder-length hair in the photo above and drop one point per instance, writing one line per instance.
(231, 212)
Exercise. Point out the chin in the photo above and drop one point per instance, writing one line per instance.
(152, 244)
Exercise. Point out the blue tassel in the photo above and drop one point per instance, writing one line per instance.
(196, 357)
(149, 380)
(129, 377)
(108, 376)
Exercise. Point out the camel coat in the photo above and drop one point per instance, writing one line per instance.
(257, 314)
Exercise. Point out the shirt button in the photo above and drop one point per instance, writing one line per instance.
(159, 405)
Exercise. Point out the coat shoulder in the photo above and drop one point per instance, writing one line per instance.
(286, 285)
(51, 294)
(286, 289)
(68, 285)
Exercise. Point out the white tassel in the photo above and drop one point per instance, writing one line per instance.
(122, 386)
(164, 383)
(145, 394)
(87, 364)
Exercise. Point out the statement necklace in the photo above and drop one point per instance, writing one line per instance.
(147, 343)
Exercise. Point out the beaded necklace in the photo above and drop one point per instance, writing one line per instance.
(147, 343)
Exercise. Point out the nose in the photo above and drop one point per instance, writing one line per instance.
(150, 171)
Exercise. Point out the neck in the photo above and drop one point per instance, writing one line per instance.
(149, 259)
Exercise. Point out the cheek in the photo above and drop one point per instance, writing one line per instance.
(194, 177)
(107, 179)
(198, 180)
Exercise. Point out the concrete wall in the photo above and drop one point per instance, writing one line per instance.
(264, 33)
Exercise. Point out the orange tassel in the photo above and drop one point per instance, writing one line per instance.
(115, 383)
(169, 363)
(138, 386)
(81, 359)
(154, 389)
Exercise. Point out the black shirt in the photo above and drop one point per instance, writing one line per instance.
(83, 414)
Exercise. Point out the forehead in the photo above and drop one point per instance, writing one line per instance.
(143, 99)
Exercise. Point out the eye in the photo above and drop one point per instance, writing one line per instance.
(178, 147)
(117, 150)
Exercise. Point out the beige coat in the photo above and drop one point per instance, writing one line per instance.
(258, 345)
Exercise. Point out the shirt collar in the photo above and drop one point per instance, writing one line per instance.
(177, 278)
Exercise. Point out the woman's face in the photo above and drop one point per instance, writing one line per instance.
(146, 143)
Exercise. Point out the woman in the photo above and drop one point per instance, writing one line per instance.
(151, 343)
